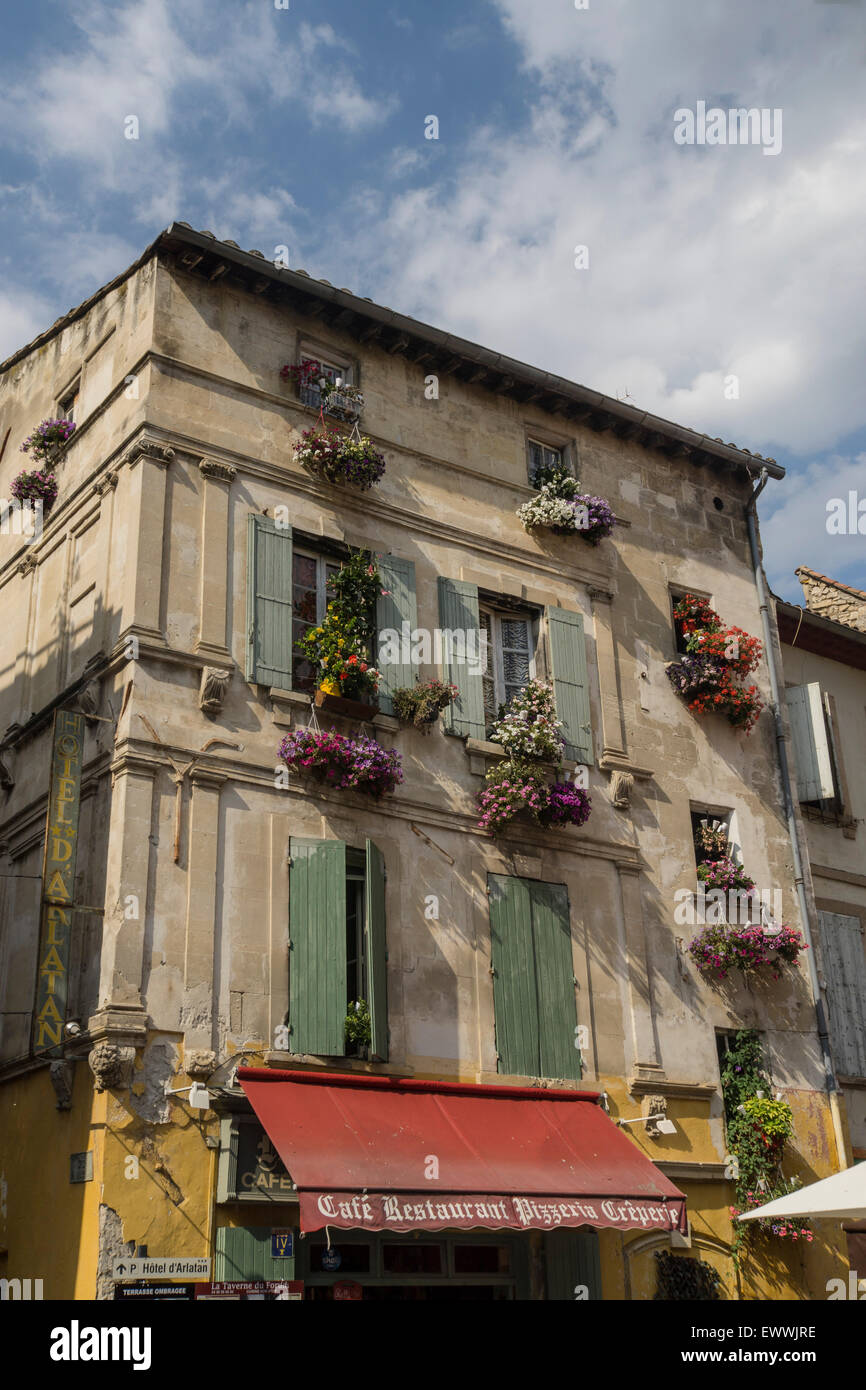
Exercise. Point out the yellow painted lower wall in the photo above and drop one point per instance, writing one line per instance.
(154, 1185)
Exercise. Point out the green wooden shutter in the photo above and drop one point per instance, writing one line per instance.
(317, 958)
(377, 953)
(571, 682)
(812, 753)
(244, 1253)
(393, 609)
(515, 1003)
(458, 612)
(269, 602)
(554, 976)
(571, 1259)
(842, 950)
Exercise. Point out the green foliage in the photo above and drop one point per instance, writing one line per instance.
(421, 704)
(358, 1025)
(682, 1277)
(339, 648)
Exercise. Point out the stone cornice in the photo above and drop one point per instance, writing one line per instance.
(675, 1090)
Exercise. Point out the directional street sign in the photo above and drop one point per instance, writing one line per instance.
(162, 1267)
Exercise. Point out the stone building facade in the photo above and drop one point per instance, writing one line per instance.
(824, 658)
(133, 607)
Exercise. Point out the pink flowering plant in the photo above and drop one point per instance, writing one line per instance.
(516, 787)
(47, 438)
(718, 949)
(726, 874)
(337, 458)
(38, 486)
(348, 764)
(561, 507)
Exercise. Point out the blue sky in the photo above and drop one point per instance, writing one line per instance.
(306, 127)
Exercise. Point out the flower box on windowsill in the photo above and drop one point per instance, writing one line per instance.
(349, 709)
(482, 753)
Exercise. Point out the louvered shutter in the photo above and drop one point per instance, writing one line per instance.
(317, 956)
(269, 602)
(811, 743)
(842, 950)
(515, 1003)
(243, 1253)
(571, 682)
(458, 612)
(377, 952)
(554, 975)
(398, 606)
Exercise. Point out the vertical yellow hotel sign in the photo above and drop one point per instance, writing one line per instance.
(58, 882)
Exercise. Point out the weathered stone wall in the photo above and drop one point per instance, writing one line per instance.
(834, 601)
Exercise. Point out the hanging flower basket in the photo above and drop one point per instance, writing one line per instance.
(754, 950)
(48, 439)
(726, 874)
(421, 704)
(338, 459)
(517, 788)
(562, 508)
(39, 486)
(347, 764)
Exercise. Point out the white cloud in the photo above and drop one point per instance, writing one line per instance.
(794, 517)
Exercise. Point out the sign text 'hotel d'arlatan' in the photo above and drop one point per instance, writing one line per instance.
(58, 882)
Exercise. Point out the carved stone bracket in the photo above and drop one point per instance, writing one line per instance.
(657, 1108)
(61, 1074)
(150, 449)
(27, 564)
(106, 483)
(214, 684)
(621, 784)
(111, 1065)
(223, 472)
(200, 1064)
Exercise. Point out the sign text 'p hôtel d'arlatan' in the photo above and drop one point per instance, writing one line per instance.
(58, 882)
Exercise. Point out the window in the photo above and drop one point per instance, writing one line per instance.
(819, 772)
(510, 658)
(543, 460)
(533, 978)
(68, 404)
(337, 945)
(310, 575)
(328, 367)
(287, 574)
(680, 638)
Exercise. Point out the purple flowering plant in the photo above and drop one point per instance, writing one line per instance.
(718, 949)
(336, 458)
(349, 764)
(517, 786)
(566, 805)
(40, 485)
(726, 874)
(47, 438)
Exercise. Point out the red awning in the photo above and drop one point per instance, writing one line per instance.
(382, 1155)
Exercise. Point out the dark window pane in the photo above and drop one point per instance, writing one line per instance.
(304, 570)
(412, 1259)
(482, 1259)
(304, 604)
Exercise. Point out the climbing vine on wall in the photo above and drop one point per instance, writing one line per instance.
(681, 1277)
(758, 1128)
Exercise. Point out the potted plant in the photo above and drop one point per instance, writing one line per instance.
(338, 459)
(754, 950)
(517, 787)
(709, 673)
(527, 726)
(48, 439)
(339, 648)
(38, 486)
(561, 507)
(347, 764)
(359, 1027)
(334, 397)
(421, 704)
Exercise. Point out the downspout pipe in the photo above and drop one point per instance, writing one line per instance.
(791, 815)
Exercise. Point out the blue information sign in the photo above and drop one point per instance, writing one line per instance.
(282, 1244)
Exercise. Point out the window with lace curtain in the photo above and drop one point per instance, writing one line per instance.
(510, 658)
